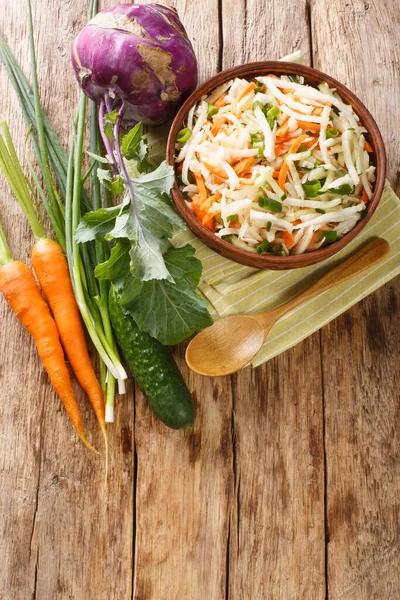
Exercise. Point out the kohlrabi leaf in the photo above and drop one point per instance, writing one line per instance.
(98, 223)
(169, 311)
(131, 141)
(149, 223)
(114, 184)
(112, 116)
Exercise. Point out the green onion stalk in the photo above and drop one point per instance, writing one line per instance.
(53, 159)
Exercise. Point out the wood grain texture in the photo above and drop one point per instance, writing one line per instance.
(277, 547)
(236, 508)
(63, 535)
(361, 347)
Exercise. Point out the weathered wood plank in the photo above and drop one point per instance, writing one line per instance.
(63, 534)
(277, 547)
(184, 480)
(360, 348)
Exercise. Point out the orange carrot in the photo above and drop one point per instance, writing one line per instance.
(217, 124)
(275, 174)
(284, 168)
(288, 238)
(243, 165)
(23, 295)
(209, 222)
(215, 170)
(309, 126)
(51, 268)
(364, 196)
(179, 167)
(249, 88)
(234, 224)
(221, 101)
(368, 147)
(209, 202)
(201, 186)
(282, 130)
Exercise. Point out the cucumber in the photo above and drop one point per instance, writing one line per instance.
(154, 369)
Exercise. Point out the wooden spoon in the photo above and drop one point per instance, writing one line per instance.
(231, 343)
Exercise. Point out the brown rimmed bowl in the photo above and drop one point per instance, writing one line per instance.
(311, 76)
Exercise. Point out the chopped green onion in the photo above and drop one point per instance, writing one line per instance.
(320, 210)
(272, 115)
(283, 197)
(311, 188)
(331, 132)
(342, 190)
(263, 247)
(191, 179)
(269, 225)
(259, 89)
(329, 236)
(293, 78)
(270, 204)
(302, 148)
(260, 146)
(255, 137)
(317, 162)
(278, 249)
(232, 218)
(184, 135)
(257, 103)
(211, 110)
(226, 238)
(363, 213)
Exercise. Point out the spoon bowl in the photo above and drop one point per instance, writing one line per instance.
(230, 344)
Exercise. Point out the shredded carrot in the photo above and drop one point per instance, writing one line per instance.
(243, 165)
(317, 111)
(209, 202)
(284, 168)
(221, 101)
(310, 141)
(288, 238)
(234, 224)
(275, 174)
(201, 186)
(282, 130)
(215, 170)
(179, 168)
(368, 147)
(218, 123)
(364, 196)
(249, 88)
(209, 222)
(309, 126)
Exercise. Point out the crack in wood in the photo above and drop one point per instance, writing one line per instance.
(310, 31)
(36, 576)
(220, 36)
(37, 485)
(325, 463)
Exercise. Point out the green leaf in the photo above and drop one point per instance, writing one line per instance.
(99, 158)
(115, 185)
(108, 130)
(131, 141)
(170, 312)
(98, 223)
(117, 266)
(111, 117)
(149, 223)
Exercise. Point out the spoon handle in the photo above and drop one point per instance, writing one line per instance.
(364, 258)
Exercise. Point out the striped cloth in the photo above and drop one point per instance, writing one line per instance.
(231, 288)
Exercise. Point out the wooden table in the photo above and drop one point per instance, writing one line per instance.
(289, 485)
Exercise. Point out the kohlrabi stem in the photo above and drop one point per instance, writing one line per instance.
(120, 158)
(5, 252)
(106, 141)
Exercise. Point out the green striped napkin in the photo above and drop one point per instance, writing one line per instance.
(231, 288)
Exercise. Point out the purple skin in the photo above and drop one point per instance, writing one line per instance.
(137, 57)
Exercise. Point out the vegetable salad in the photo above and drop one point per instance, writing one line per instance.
(273, 165)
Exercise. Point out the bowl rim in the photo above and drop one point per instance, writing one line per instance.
(263, 261)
